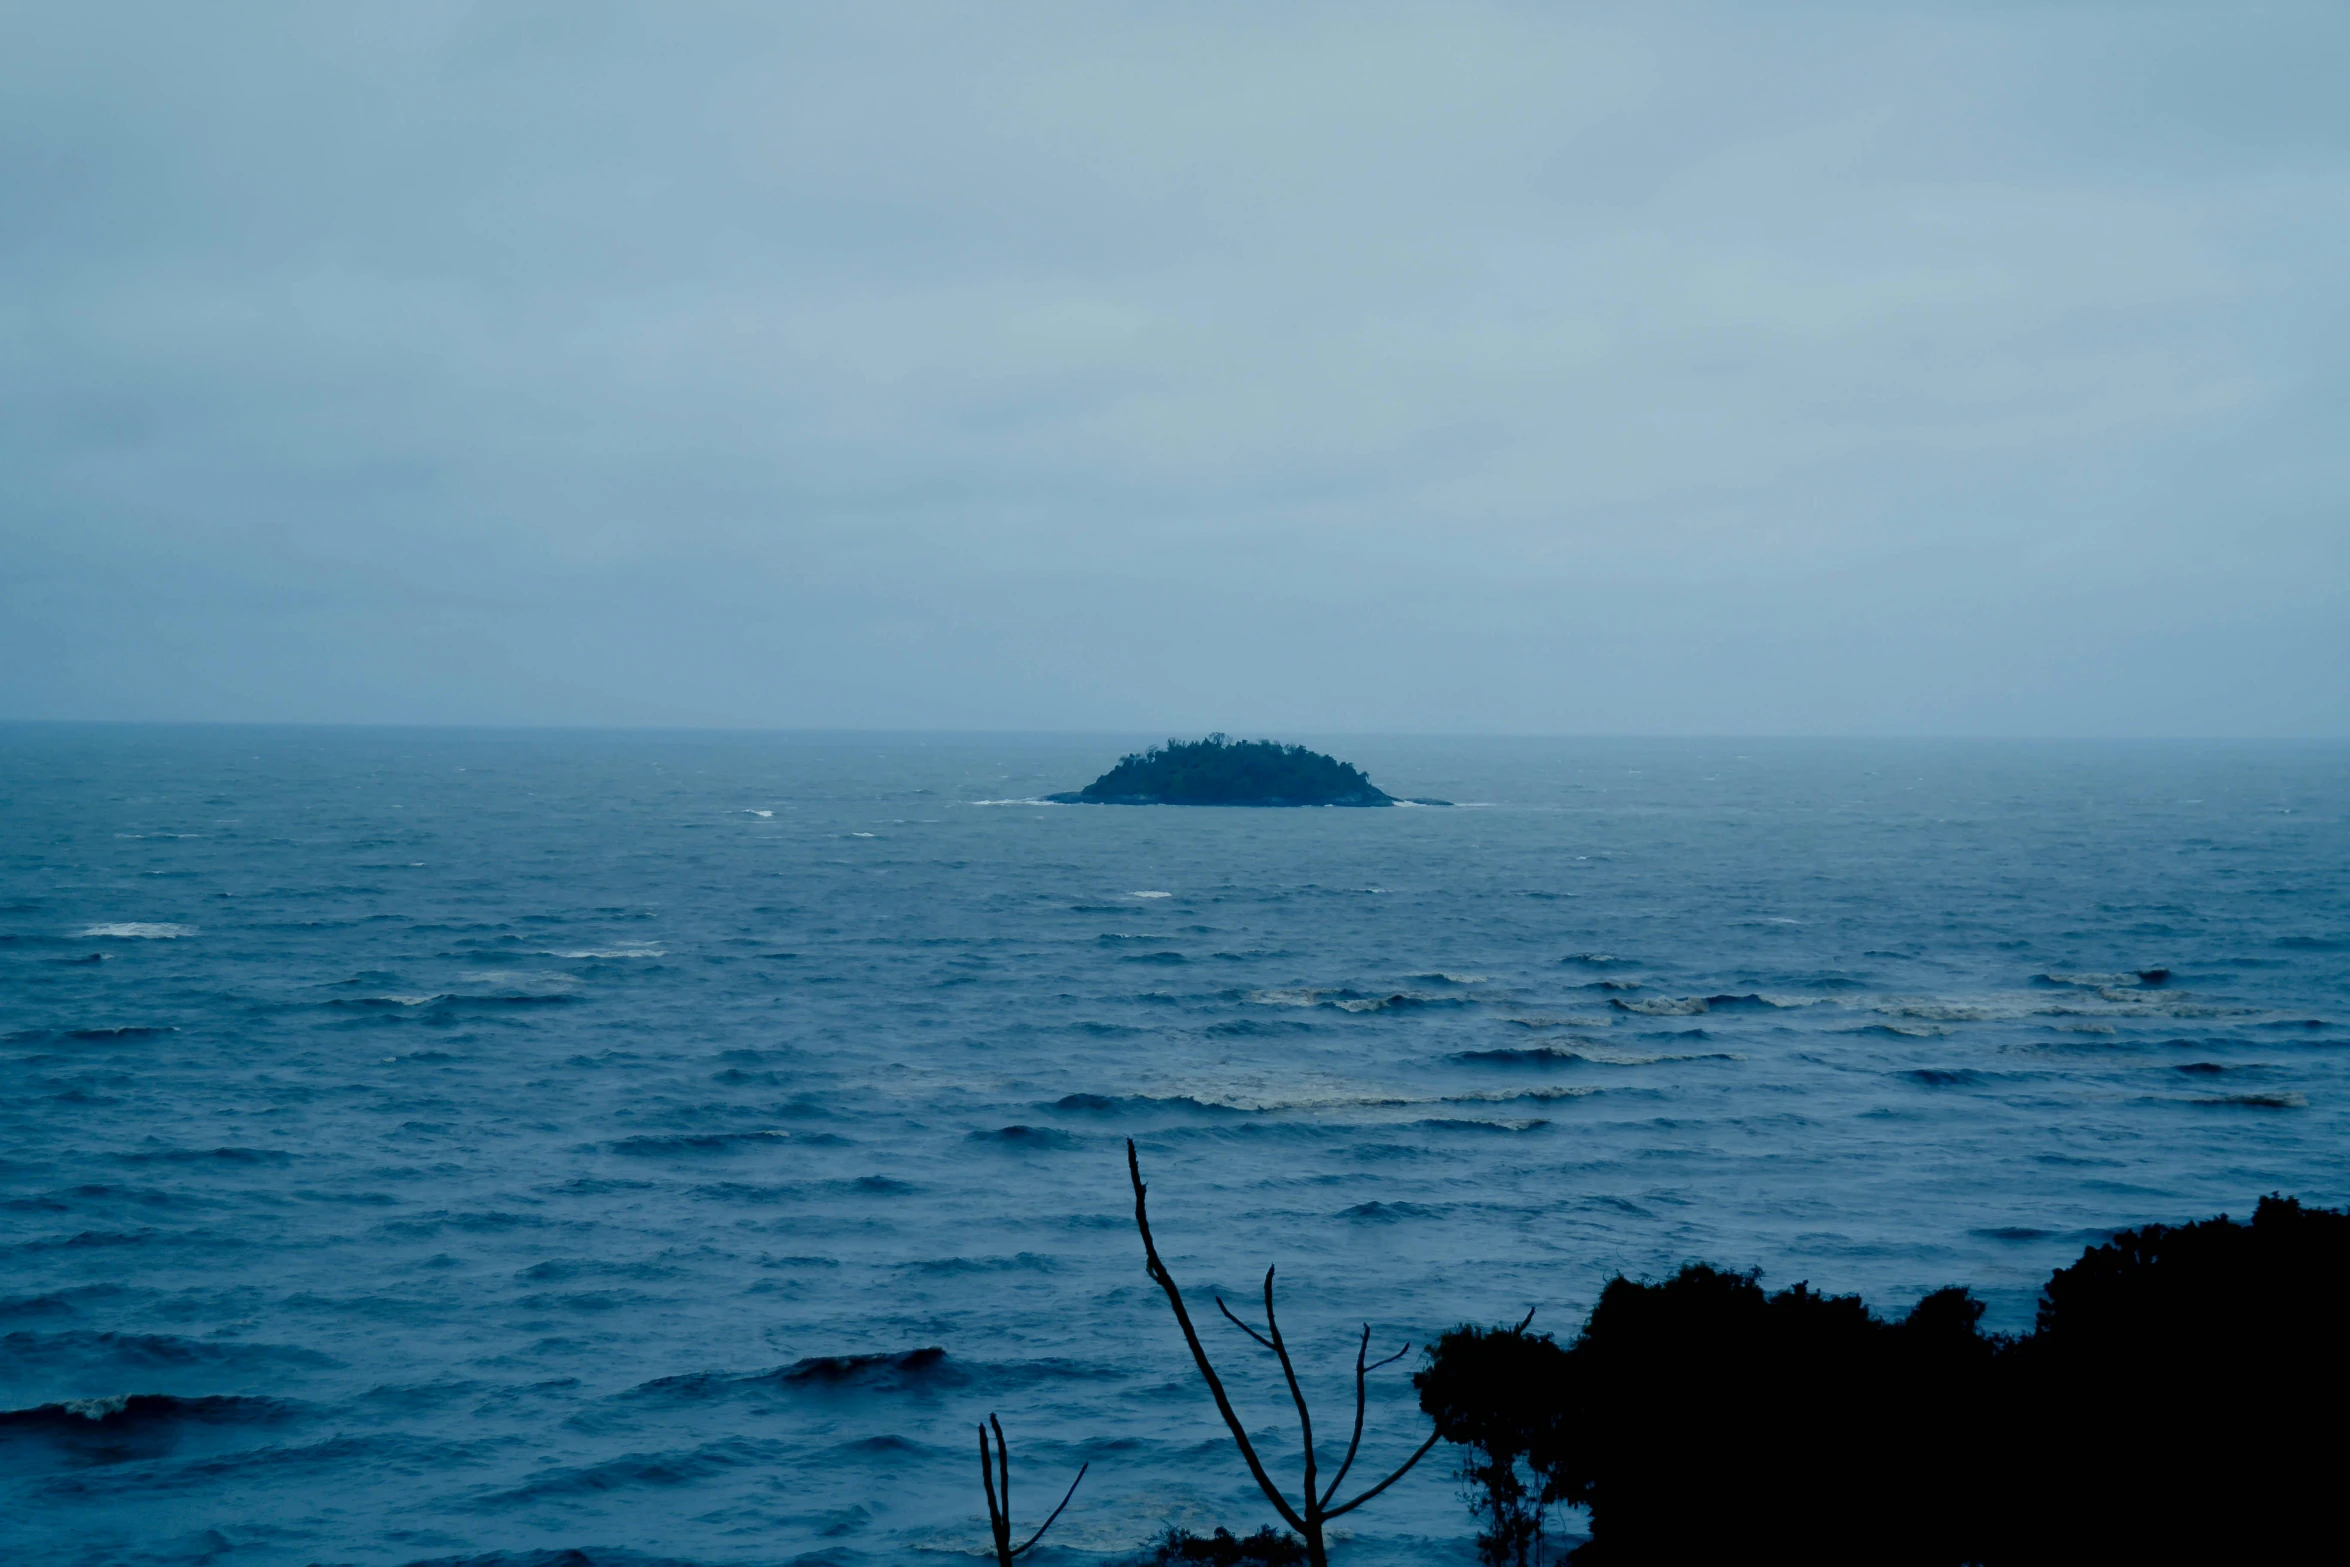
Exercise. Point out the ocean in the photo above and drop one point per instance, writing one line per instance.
(428, 1146)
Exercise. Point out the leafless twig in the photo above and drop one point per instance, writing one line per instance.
(1315, 1509)
(998, 1480)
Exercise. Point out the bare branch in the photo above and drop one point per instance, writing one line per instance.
(1166, 1282)
(1355, 1445)
(1348, 1507)
(1003, 1465)
(1305, 1416)
(1244, 1327)
(1529, 1317)
(1048, 1523)
(1392, 1359)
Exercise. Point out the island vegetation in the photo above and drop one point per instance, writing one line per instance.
(1222, 771)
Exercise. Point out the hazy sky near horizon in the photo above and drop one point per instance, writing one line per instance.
(1770, 368)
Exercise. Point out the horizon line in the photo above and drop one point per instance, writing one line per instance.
(876, 732)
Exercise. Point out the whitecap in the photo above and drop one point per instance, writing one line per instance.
(607, 952)
(860, 835)
(1031, 800)
(1150, 895)
(758, 813)
(133, 930)
(525, 982)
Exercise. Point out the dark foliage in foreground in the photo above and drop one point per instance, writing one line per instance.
(2193, 1380)
(1222, 771)
(1268, 1547)
(1502, 1394)
(2180, 1400)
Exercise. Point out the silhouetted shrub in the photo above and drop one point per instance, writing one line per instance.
(1501, 1393)
(2180, 1400)
(2182, 1397)
(1268, 1547)
(1708, 1421)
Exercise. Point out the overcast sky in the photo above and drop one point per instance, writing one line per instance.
(1774, 368)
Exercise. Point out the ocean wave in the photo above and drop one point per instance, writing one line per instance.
(605, 952)
(271, 1156)
(129, 1427)
(1549, 1095)
(910, 1368)
(1391, 1212)
(1554, 1055)
(89, 1356)
(2279, 1100)
(136, 930)
(122, 1410)
(1023, 1262)
(1024, 1137)
(636, 1471)
(1693, 1006)
(518, 985)
(1112, 1103)
(663, 1145)
(2103, 981)
(31, 1036)
(1349, 1000)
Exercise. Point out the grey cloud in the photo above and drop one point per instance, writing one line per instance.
(1735, 368)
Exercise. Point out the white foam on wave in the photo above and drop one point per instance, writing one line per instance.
(1031, 800)
(758, 813)
(134, 930)
(1505, 1095)
(607, 952)
(1150, 895)
(861, 835)
(522, 981)
(97, 1408)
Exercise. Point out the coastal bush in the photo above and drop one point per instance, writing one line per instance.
(2178, 1400)
(1268, 1547)
(1704, 1420)
(1500, 1393)
(2181, 1397)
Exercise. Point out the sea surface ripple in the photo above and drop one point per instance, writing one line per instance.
(437, 1146)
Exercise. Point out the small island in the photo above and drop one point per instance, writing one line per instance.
(1223, 771)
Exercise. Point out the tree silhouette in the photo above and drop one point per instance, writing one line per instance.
(1316, 1509)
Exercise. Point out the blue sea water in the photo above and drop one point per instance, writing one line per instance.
(426, 1146)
